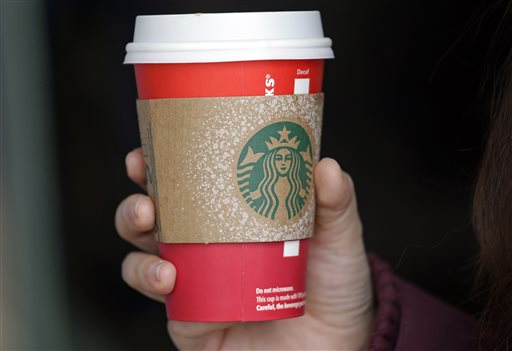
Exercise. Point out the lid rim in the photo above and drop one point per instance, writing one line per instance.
(229, 44)
(213, 56)
(236, 36)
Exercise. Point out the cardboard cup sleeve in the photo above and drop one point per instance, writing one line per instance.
(232, 169)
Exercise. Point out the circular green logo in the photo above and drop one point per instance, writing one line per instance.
(275, 169)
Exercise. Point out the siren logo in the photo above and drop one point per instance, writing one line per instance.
(275, 169)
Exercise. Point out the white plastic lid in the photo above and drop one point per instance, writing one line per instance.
(225, 37)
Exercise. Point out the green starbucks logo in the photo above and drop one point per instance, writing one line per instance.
(275, 169)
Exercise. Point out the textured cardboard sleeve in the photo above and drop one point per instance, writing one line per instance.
(232, 169)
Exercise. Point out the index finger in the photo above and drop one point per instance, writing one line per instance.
(135, 167)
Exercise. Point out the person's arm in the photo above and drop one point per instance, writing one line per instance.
(408, 318)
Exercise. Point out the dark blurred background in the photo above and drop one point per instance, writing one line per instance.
(405, 116)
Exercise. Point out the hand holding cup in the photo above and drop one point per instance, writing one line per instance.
(339, 309)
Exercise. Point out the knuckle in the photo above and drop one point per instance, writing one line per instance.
(125, 214)
(127, 269)
(144, 271)
(117, 220)
(137, 272)
(181, 330)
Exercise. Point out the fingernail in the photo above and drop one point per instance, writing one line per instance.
(156, 269)
(136, 207)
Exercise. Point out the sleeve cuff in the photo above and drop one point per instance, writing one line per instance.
(387, 319)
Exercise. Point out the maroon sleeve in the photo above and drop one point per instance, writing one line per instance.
(409, 319)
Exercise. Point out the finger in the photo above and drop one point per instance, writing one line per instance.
(339, 287)
(135, 167)
(198, 336)
(149, 274)
(135, 221)
(337, 219)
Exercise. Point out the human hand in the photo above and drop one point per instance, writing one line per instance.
(339, 309)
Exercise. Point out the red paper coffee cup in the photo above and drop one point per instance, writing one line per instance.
(230, 55)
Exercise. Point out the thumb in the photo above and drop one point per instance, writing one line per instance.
(339, 287)
(337, 224)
